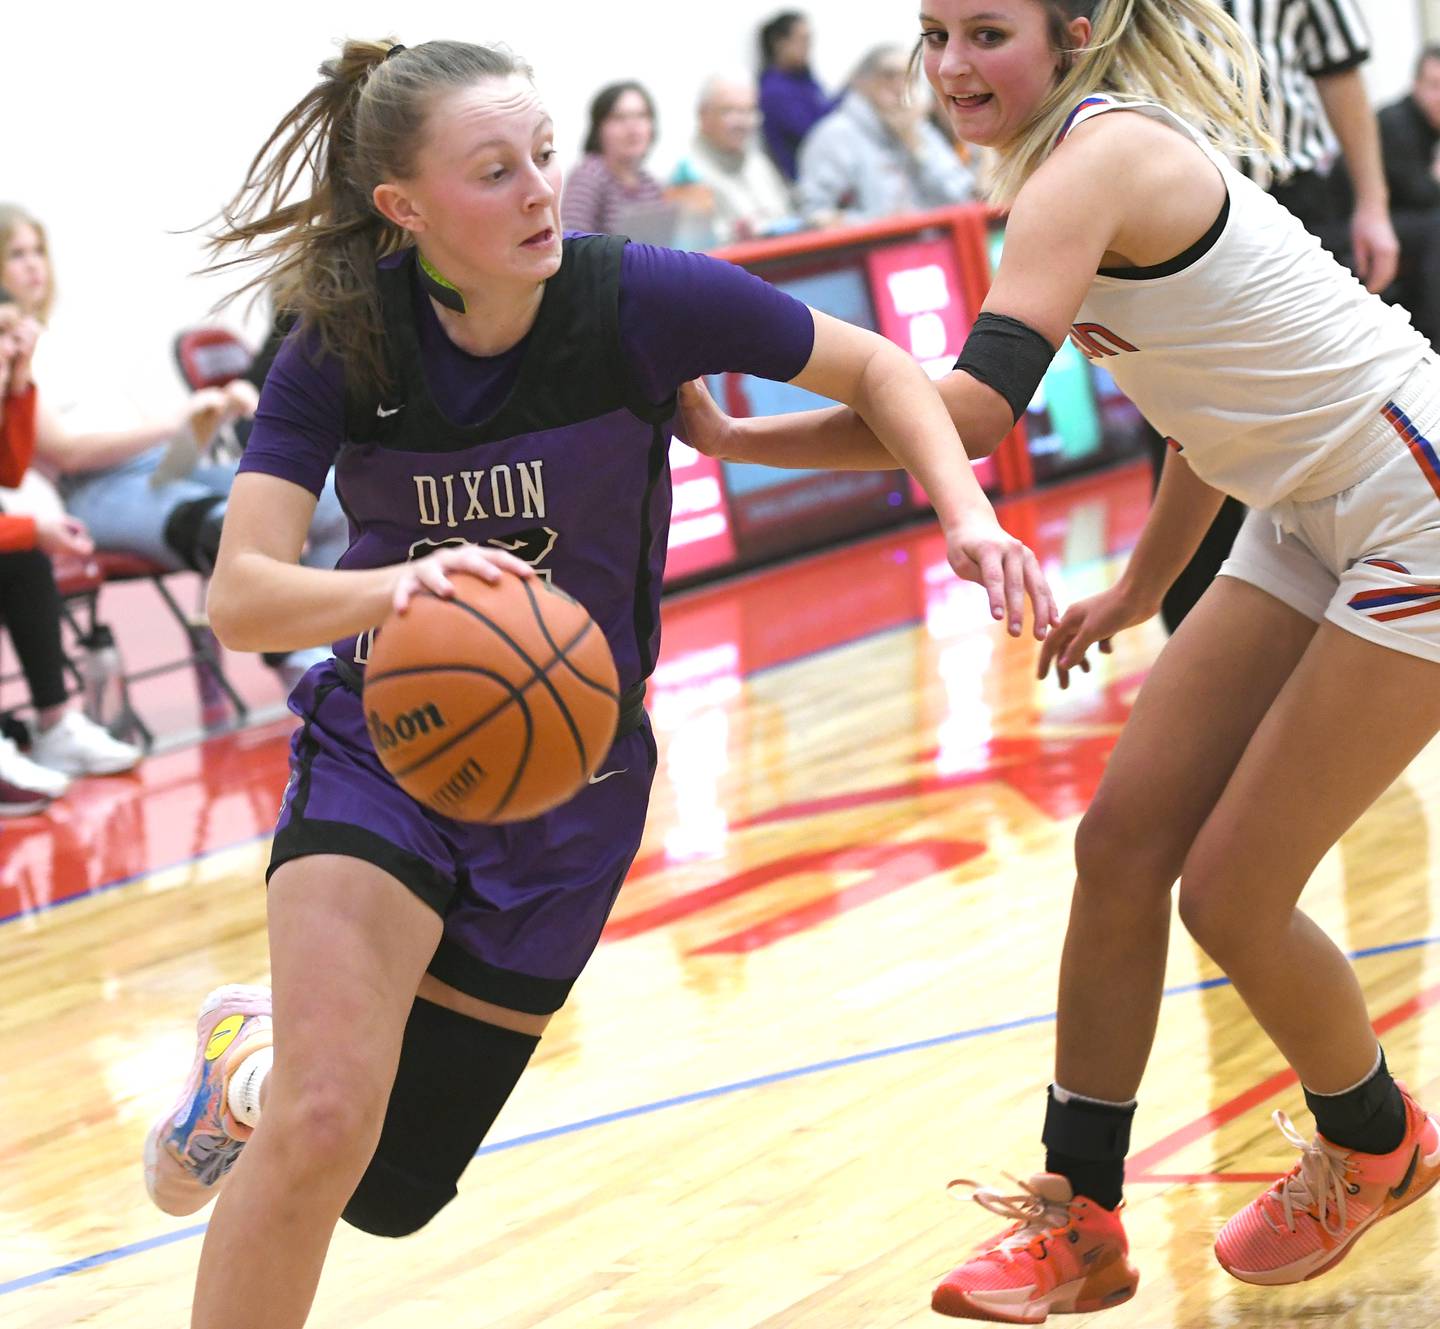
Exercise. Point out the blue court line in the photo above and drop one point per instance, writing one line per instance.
(105, 1257)
(683, 1100)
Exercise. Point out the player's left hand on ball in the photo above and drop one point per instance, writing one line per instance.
(431, 572)
(980, 550)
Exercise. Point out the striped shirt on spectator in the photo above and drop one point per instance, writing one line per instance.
(1300, 40)
(595, 199)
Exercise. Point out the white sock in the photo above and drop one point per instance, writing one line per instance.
(1063, 1095)
(243, 1095)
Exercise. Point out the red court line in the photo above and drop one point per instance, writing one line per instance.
(1140, 1164)
(1198, 1129)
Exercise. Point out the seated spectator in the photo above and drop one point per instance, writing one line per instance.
(748, 196)
(876, 154)
(66, 742)
(140, 482)
(1410, 137)
(610, 188)
(792, 102)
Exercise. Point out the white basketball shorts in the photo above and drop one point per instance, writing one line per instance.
(1368, 558)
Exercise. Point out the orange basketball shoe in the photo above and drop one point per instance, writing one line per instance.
(1308, 1221)
(1062, 1253)
(191, 1148)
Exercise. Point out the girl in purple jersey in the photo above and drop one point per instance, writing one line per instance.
(1303, 683)
(496, 399)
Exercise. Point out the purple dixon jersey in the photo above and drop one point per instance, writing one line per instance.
(556, 450)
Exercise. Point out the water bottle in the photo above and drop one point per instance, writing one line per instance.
(104, 676)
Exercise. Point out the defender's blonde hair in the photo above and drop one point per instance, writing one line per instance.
(1188, 55)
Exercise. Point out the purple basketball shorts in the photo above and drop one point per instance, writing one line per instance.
(523, 904)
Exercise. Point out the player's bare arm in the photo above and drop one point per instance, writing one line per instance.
(1073, 212)
(262, 599)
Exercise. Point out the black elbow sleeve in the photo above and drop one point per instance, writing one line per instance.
(1009, 356)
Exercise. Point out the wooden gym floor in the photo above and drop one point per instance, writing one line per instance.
(828, 988)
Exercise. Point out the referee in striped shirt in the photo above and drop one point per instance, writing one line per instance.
(1310, 52)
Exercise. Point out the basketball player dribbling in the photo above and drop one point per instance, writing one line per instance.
(497, 399)
(1303, 683)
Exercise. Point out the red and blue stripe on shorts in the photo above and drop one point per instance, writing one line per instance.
(1402, 602)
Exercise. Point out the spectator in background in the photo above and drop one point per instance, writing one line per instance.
(1410, 136)
(138, 481)
(974, 159)
(611, 186)
(1331, 176)
(749, 197)
(877, 154)
(66, 742)
(792, 102)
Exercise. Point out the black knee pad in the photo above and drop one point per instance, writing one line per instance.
(390, 1202)
(192, 530)
(455, 1075)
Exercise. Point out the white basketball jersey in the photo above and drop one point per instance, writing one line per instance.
(1261, 360)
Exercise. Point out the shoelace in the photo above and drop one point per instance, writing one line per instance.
(1032, 1214)
(1317, 1184)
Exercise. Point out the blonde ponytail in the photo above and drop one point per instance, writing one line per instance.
(1188, 55)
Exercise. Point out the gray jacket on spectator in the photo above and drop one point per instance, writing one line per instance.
(851, 162)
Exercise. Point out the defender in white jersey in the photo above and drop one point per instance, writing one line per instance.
(1246, 757)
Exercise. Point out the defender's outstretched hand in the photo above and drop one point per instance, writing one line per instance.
(1090, 622)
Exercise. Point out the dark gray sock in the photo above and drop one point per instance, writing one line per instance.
(1369, 1118)
(1086, 1143)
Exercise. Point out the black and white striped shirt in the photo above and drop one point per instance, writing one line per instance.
(1299, 40)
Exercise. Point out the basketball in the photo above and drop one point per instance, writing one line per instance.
(496, 705)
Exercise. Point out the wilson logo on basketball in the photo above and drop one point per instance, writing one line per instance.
(410, 725)
(526, 686)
